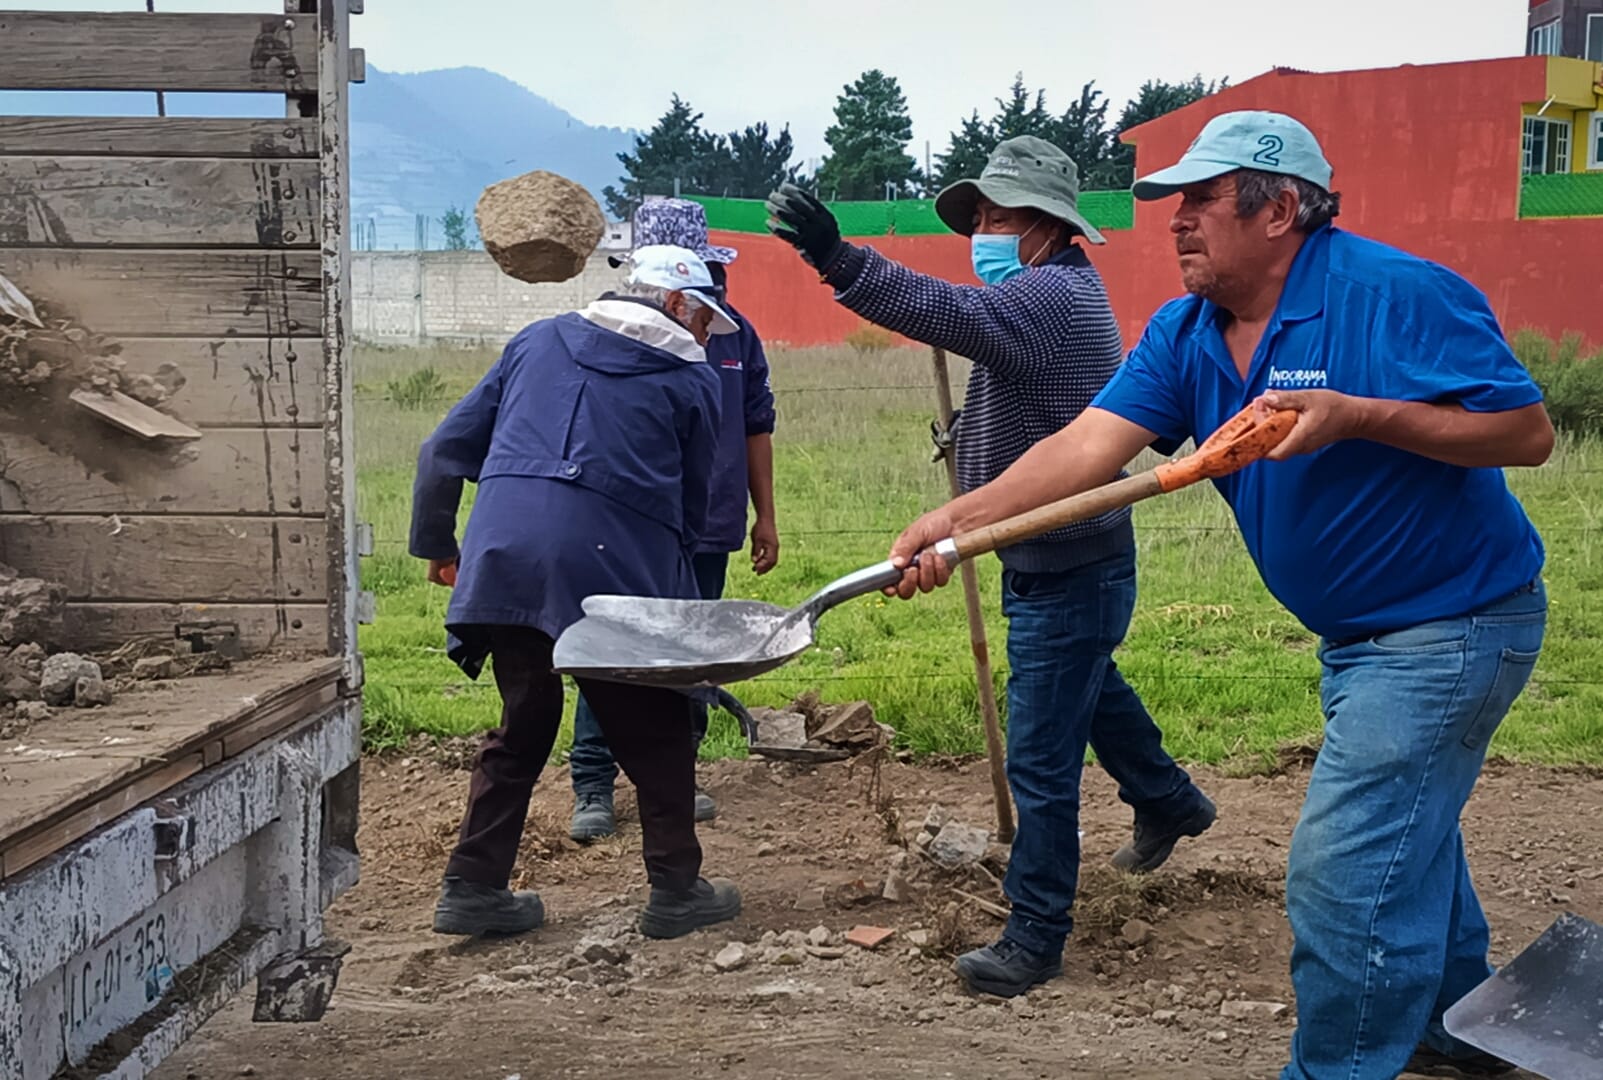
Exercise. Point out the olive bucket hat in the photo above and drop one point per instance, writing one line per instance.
(1022, 171)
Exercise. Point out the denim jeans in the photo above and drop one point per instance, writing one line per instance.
(1064, 691)
(593, 769)
(1388, 932)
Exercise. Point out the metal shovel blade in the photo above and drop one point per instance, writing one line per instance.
(683, 644)
(1543, 1011)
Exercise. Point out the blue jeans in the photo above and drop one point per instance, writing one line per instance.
(1064, 691)
(1388, 930)
(590, 762)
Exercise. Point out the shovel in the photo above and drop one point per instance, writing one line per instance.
(1543, 1011)
(697, 643)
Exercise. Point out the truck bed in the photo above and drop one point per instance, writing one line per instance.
(67, 776)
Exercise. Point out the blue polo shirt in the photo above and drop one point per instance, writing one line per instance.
(1357, 538)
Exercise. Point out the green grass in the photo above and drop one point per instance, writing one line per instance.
(1228, 673)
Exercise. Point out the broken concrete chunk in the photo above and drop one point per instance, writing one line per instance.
(850, 726)
(30, 608)
(898, 890)
(780, 729)
(1247, 1010)
(1136, 933)
(958, 845)
(153, 667)
(58, 679)
(810, 900)
(731, 957)
(818, 935)
(539, 226)
(935, 819)
(597, 951)
(91, 691)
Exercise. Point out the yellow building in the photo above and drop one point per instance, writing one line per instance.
(1564, 132)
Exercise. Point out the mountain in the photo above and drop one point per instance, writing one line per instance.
(424, 142)
(420, 143)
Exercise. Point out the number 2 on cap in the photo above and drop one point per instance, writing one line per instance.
(1270, 154)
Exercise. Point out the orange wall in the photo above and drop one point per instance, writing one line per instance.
(1426, 158)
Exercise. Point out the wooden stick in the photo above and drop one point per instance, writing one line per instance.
(976, 627)
(984, 905)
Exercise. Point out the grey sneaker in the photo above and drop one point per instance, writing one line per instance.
(671, 915)
(475, 910)
(1150, 846)
(706, 808)
(592, 818)
(1006, 969)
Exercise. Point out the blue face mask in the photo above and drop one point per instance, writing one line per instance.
(996, 256)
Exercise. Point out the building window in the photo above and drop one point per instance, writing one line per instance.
(1546, 40)
(1594, 142)
(1594, 38)
(1547, 145)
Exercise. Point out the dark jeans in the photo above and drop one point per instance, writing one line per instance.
(648, 727)
(1064, 691)
(591, 761)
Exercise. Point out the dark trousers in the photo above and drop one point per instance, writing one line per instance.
(591, 761)
(649, 732)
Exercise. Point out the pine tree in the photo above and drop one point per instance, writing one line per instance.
(868, 142)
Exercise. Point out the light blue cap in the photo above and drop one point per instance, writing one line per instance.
(1267, 141)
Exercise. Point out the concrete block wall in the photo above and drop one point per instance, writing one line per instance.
(411, 297)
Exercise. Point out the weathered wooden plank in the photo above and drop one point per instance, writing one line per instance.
(76, 50)
(175, 293)
(235, 381)
(301, 628)
(166, 558)
(154, 202)
(135, 417)
(70, 776)
(158, 136)
(94, 470)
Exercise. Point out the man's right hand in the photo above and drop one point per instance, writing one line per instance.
(919, 540)
(806, 224)
(442, 572)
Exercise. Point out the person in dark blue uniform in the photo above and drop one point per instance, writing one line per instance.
(592, 441)
(1383, 522)
(743, 466)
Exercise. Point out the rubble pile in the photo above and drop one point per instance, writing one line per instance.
(807, 723)
(32, 679)
(50, 361)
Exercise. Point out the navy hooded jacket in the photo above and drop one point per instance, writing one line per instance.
(592, 442)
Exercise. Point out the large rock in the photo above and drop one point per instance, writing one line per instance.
(58, 681)
(958, 845)
(539, 226)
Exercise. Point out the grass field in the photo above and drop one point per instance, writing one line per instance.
(1230, 676)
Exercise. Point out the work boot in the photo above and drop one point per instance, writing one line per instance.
(1431, 1062)
(1150, 846)
(468, 908)
(675, 914)
(1007, 969)
(706, 808)
(592, 817)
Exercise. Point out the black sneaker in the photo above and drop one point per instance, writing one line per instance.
(706, 808)
(671, 915)
(475, 910)
(1431, 1062)
(1150, 847)
(1007, 969)
(592, 818)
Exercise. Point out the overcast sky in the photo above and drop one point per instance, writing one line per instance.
(615, 62)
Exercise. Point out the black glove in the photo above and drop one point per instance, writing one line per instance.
(802, 221)
(946, 439)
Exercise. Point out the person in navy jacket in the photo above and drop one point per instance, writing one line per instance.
(742, 466)
(592, 441)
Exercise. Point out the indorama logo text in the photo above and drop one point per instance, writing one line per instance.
(1301, 379)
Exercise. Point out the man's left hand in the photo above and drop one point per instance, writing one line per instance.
(1323, 417)
(764, 546)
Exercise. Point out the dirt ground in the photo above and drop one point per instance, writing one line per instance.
(587, 997)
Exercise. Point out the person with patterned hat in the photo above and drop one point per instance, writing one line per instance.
(1044, 341)
(743, 470)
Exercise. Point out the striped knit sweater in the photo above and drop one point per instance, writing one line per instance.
(1043, 344)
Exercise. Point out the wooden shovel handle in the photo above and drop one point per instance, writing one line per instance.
(1243, 439)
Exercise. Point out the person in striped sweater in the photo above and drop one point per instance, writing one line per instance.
(1043, 341)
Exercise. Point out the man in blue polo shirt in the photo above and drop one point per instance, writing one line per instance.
(1383, 523)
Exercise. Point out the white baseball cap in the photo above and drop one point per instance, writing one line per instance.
(680, 270)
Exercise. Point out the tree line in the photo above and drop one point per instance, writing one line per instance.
(868, 157)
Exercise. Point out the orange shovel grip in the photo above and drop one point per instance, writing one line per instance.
(1244, 438)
